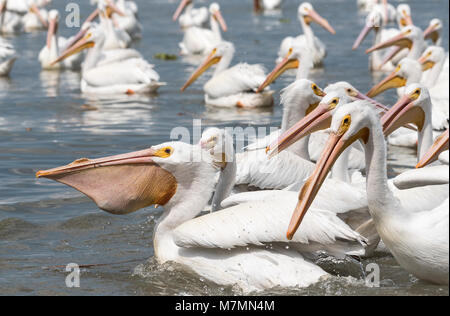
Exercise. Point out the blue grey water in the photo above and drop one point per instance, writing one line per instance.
(46, 122)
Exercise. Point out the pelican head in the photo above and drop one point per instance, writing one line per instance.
(374, 21)
(404, 15)
(411, 108)
(405, 39)
(292, 60)
(433, 30)
(214, 10)
(408, 70)
(307, 14)
(219, 144)
(125, 183)
(440, 145)
(90, 36)
(350, 123)
(431, 56)
(224, 49)
(183, 4)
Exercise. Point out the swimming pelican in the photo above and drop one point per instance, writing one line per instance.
(193, 16)
(418, 199)
(235, 86)
(201, 41)
(306, 15)
(129, 76)
(259, 5)
(227, 247)
(10, 22)
(50, 52)
(409, 71)
(419, 241)
(36, 19)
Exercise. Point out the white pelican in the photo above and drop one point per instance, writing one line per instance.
(243, 246)
(193, 16)
(409, 71)
(320, 118)
(129, 76)
(306, 15)
(10, 22)
(127, 21)
(8, 57)
(259, 5)
(419, 241)
(36, 19)
(235, 86)
(198, 40)
(50, 52)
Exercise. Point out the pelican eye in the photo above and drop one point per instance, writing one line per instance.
(317, 90)
(345, 124)
(398, 68)
(416, 94)
(333, 103)
(164, 152)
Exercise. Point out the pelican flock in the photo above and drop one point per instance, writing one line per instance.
(260, 216)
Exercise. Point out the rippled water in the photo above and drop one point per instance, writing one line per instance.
(46, 122)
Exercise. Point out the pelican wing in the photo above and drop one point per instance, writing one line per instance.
(255, 169)
(131, 71)
(334, 196)
(264, 222)
(238, 79)
(433, 175)
(262, 143)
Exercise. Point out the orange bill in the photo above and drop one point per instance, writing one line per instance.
(440, 145)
